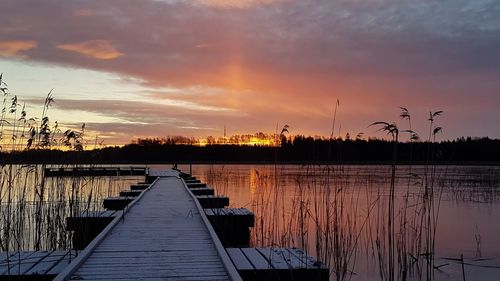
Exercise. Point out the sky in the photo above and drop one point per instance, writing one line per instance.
(153, 68)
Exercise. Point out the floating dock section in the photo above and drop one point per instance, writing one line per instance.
(94, 171)
(34, 266)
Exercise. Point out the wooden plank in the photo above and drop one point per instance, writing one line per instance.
(213, 201)
(291, 260)
(311, 269)
(139, 186)
(88, 222)
(256, 259)
(130, 193)
(202, 191)
(43, 266)
(195, 185)
(274, 257)
(153, 259)
(116, 203)
(210, 212)
(192, 181)
(134, 275)
(109, 213)
(181, 266)
(277, 264)
(237, 217)
(10, 267)
(294, 261)
(7, 259)
(185, 175)
(6, 267)
(89, 213)
(62, 264)
(192, 278)
(239, 259)
(33, 265)
(4, 256)
(308, 261)
(32, 261)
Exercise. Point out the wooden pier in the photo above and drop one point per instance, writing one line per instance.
(173, 228)
(162, 235)
(256, 264)
(94, 171)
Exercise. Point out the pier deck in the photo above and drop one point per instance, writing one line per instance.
(94, 171)
(161, 236)
(35, 265)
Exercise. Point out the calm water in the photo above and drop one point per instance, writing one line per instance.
(33, 209)
(336, 213)
(304, 206)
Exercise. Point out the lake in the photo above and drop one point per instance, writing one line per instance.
(340, 214)
(364, 222)
(33, 209)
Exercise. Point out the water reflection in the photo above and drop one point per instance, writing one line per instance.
(254, 176)
(340, 214)
(33, 209)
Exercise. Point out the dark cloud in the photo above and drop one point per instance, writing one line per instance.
(174, 42)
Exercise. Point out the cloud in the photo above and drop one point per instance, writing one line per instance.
(84, 13)
(237, 3)
(13, 48)
(277, 61)
(97, 49)
(176, 43)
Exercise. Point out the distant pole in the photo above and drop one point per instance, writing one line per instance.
(463, 267)
(276, 135)
(190, 169)
(334, 117)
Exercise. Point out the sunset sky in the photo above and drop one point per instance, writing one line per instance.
(156, 68)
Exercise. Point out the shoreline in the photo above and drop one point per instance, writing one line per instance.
(284, 163)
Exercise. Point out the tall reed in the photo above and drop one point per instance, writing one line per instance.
(33, 208)
(423, 221)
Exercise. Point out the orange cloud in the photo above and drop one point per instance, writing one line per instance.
(97, 49)
(12, 48)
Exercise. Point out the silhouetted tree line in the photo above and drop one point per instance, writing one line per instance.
(298, 149)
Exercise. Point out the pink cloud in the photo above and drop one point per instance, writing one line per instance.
(97, 49)
(237, 3)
